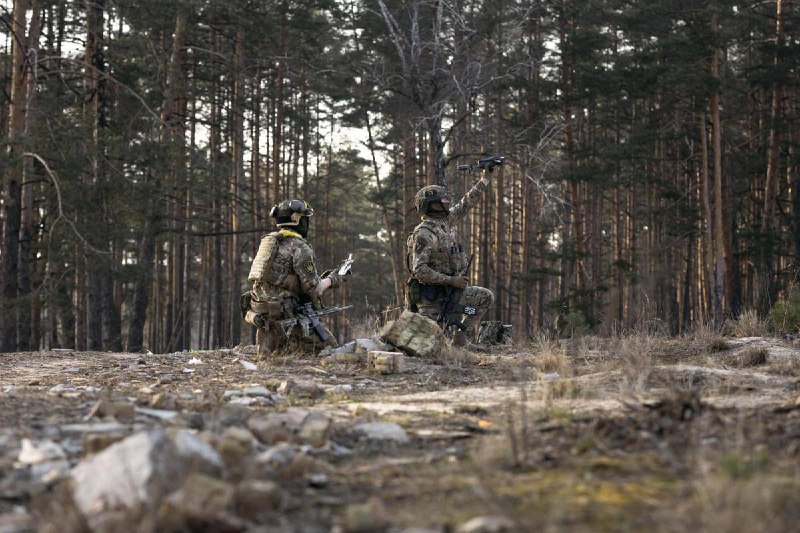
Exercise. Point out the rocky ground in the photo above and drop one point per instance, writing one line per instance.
(586, 434)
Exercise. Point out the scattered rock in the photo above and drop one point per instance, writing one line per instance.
(415, 335)
(163, 400)
(316, 430)
(121, 411)
(345, 389)
(257, 391)
(349, 347)
(97, 427)
(97, 442)
(366, 517)
(254, 498)
(364, 346)
(63, 389)
(348, 358)
(271, 429)
(234, 445)
(39, 451)
(16, 523)
(161, 414)
(277, 457)
(487, 524)
(199, 455)
(382, 431)
(248, 365)
(301, 389)
(137, 471)
(202, 502)
(243, 400)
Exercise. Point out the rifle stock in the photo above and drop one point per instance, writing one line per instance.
(307, 317)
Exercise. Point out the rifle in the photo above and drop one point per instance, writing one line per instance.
(487, 163)
(451, 312)
(307, 317)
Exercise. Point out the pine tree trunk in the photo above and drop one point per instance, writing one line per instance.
(771, 186)
(719, 226)
(28, 313)
(12, 185)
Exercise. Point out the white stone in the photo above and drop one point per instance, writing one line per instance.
(137, 471)
(382, 431)
(487, 524)
(161, 414)
(279, 455)
(256, 391)
(315, 430)
(39, 451)
(198, 453)
(248, 365)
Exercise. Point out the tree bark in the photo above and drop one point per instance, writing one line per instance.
(12, 185)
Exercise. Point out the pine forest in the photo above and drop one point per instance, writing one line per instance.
(651, 174)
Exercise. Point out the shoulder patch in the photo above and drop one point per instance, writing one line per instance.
(421, 244)
(309, 267)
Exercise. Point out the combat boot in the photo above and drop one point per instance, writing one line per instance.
(462, 340)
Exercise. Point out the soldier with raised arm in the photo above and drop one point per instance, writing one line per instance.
(438, 263)
(284, 277)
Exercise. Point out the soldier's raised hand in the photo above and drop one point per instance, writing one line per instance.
(459, 282)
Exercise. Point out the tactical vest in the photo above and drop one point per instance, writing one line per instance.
(448, 258)
(261, 268)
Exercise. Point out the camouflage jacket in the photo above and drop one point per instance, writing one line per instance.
(285, 267)
(432, 253)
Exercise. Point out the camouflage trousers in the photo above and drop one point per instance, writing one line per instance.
(272, 341)
(480, 298)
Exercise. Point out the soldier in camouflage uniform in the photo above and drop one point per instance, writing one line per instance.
(284, 274)
(436, 261)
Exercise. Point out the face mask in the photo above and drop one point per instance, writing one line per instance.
(302, 227)
(438, 210)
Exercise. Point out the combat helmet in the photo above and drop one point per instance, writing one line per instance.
(290, 212)
(428, 195)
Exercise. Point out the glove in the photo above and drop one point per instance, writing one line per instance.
(256, 319)
(336, 279)
(459, 282)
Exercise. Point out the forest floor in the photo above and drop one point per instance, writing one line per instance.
(638, 432)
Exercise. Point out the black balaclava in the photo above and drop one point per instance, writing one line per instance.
(437, 209)
(302, 226)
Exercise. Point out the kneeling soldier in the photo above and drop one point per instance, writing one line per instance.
(438, 265)
(284, 276)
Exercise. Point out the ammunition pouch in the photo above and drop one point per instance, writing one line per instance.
(413, 287)
(432, 293)
(244, 303)
(258, 313)
(416, 292)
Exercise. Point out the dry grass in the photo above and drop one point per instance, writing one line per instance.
(751, 356)
(746, 492)
(709, 340)
(635, 354)
(748, 324)
(549, 356)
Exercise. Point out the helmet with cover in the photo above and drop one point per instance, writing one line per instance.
(289, 212)
(292, 214)
(428, 196)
